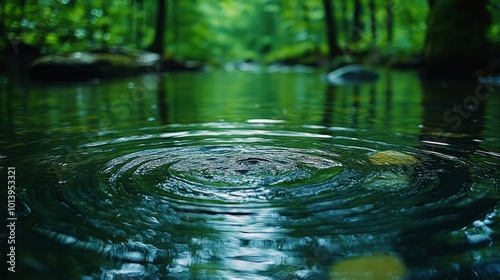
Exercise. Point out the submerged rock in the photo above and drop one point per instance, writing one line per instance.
(351, 74)
(87, 65)
(391, 158)
(375, 267)
(489, 80)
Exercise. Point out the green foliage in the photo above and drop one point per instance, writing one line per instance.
(494, 30)
(217, 31)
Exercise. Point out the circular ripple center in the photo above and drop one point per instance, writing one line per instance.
(250, 166)
(230, 166)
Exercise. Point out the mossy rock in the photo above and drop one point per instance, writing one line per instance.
(85, 65)
(390, 157)
(351, 74)
(169, 63)
(373, 267)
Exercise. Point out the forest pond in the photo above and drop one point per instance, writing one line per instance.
(256, 174)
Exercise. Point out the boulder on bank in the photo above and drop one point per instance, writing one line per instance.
(351, 74)
(171, 64)
(88, 65)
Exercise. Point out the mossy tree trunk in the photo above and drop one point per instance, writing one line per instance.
(373, 19)
(358, 28)
(331, 32)
(2, 22)
(158, 45)
(455, 44)
(345, 22)
(389, 22)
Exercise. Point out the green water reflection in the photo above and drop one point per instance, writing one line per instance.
(297, 98)
(105, 173)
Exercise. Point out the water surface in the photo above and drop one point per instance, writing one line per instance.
(251, 175)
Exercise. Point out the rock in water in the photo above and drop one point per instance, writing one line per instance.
(351, 74)
(374, 267)
(392, 157)
(89, 65)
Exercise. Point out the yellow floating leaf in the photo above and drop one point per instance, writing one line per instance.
(374, 267)
(392, 157)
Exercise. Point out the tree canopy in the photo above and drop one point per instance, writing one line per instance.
(223, 30)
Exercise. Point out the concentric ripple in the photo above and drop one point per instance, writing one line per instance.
(244, 166)
(251, 199)
(225, 170)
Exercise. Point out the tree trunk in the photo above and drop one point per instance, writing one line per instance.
(140, 23)
(345, 22)
(373, 19)
(390, 20)
(357, 29)
(331, 31)
(305, 16)
(455, 43)
(3, 34)
(158, 45)
(133, 24)
(22, 4)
